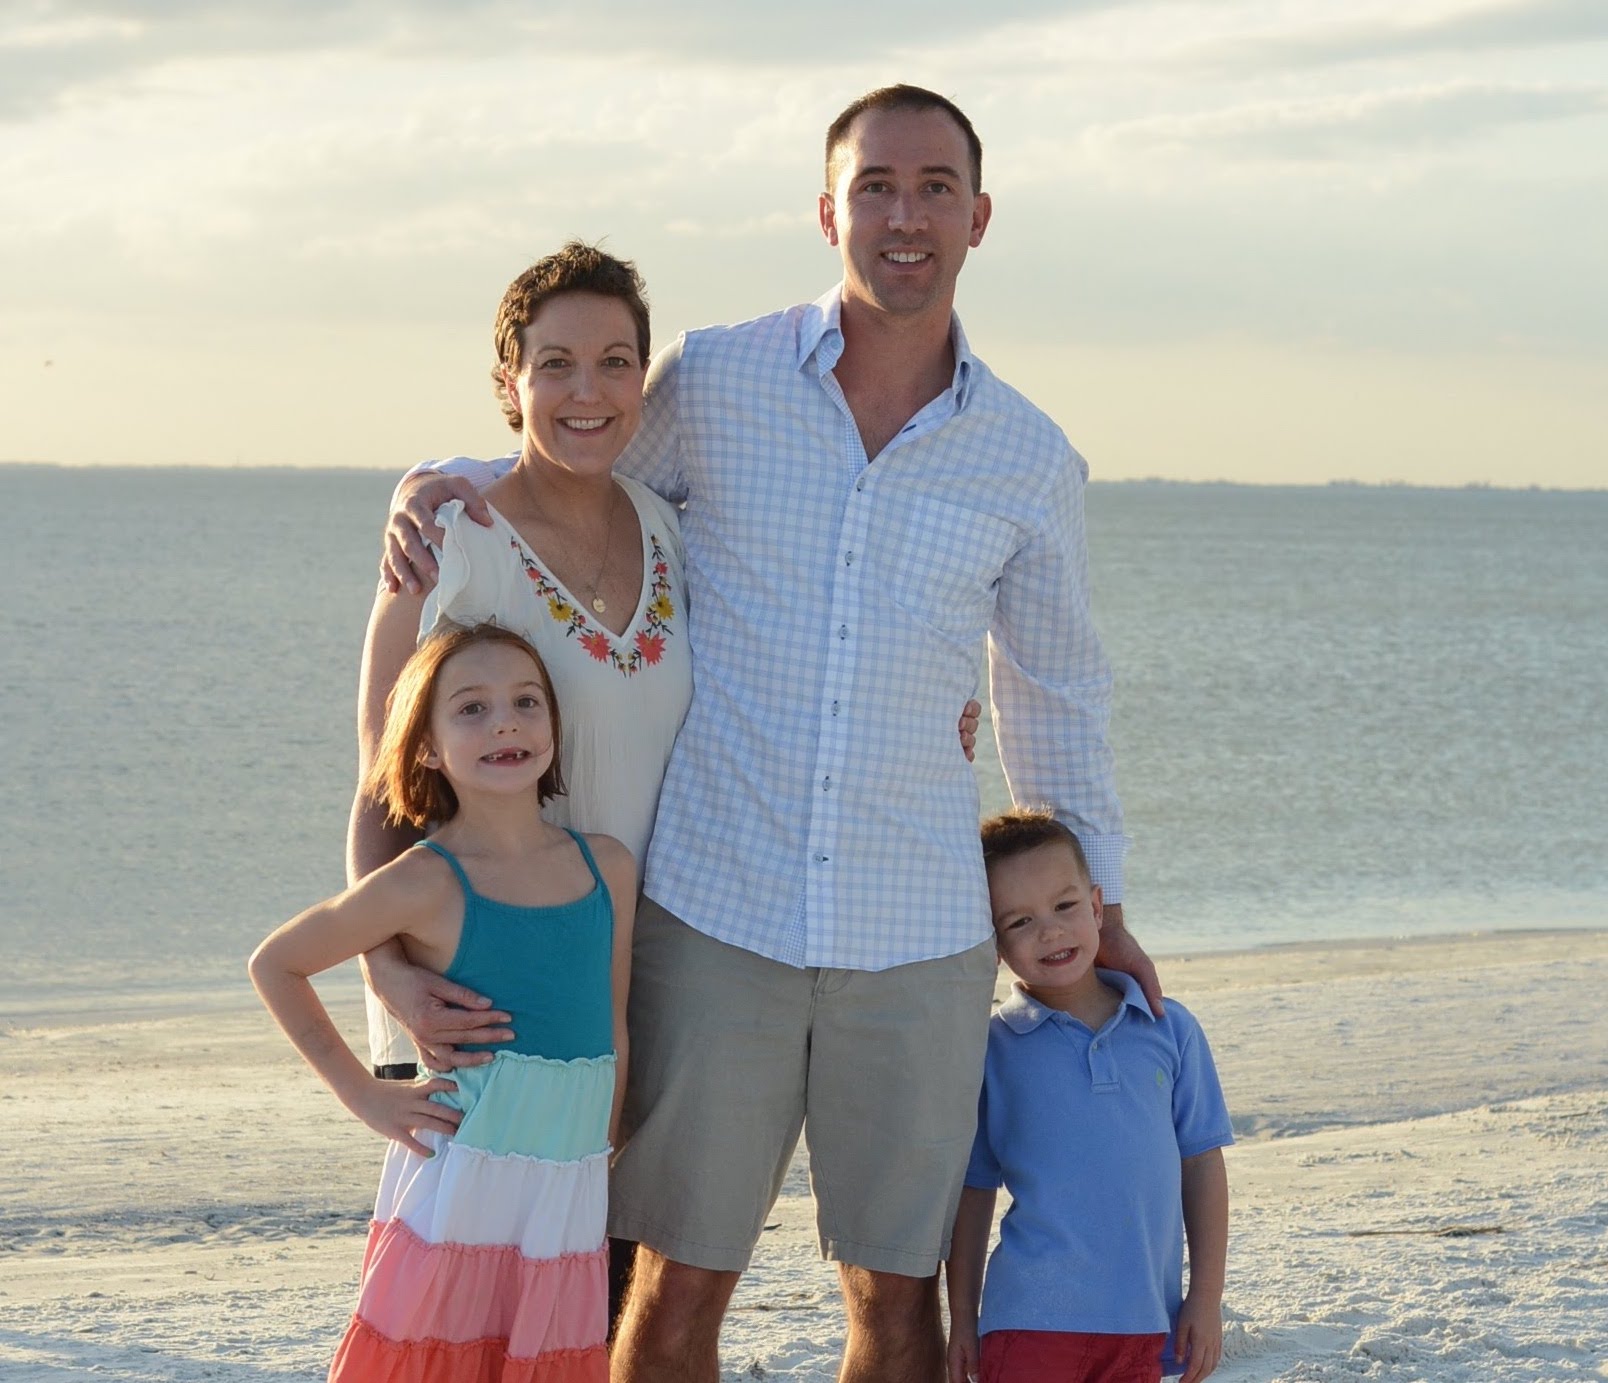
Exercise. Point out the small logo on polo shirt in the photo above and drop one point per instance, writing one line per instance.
(1161, 1079)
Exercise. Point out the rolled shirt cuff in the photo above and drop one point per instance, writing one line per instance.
(1105, 855)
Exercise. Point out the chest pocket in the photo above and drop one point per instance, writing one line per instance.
(941, 564)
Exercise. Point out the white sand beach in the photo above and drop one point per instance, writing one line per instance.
(1420, 1191)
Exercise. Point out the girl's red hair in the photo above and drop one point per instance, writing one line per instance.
(399, 780)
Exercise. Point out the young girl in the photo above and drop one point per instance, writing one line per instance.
(486, 1258)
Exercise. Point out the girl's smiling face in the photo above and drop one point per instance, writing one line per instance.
(491, 727)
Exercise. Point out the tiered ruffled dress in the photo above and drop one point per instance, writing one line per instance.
(486, 1263)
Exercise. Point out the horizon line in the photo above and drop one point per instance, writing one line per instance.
(1335, 483)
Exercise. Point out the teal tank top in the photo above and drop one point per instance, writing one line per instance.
(550, 968)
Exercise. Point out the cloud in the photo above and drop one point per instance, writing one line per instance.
(1342, 127)
(1453, 260)
(771, 223)
(1507, 26)
(53, 51)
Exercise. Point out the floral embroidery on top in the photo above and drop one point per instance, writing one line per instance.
(646, 646)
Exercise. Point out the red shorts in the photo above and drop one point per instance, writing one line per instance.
(1069, 1356)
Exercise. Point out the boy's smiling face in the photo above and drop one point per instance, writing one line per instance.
(1046, 920)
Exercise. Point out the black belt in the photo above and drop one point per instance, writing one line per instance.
(398, 1070)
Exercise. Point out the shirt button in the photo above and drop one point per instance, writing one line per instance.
(834, 708)
(848, 559)
(826, 784)
(843, 631)
(821, 859)
(860, 483)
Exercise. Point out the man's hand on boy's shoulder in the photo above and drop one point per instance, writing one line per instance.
(1119, 951)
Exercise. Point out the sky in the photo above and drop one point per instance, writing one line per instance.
(1284, 241)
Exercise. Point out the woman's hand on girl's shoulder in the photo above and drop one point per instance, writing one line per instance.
(396, 1109)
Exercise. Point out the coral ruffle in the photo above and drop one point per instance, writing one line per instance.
(365, 1356)
(457, 1294)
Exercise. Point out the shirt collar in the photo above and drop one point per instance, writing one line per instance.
(820, 334)
(1022, 1013)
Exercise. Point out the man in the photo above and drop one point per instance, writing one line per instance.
(863, 503)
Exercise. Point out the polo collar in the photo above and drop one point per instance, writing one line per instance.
(820, 334)
(1022, 1013)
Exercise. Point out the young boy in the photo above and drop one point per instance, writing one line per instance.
(1106, 1125)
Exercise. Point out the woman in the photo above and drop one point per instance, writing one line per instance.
(589, 568)
(585, 565)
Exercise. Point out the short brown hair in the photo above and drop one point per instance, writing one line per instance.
(901, 97)
(1022, 829)
(577, 268)
(399, 779)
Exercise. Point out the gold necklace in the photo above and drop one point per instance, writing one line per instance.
(598, 603)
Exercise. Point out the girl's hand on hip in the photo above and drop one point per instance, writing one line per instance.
(396, 1109)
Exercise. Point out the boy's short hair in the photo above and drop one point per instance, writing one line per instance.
(1022, 829)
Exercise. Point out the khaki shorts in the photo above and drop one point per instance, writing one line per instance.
(733, 1054)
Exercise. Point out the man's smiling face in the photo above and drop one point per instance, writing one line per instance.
(903, 211)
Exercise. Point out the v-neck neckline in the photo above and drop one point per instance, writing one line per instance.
(584, 607)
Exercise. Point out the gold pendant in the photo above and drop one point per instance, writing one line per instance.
(598, 605)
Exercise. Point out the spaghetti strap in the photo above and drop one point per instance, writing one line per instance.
(586, 854)
(447, 855)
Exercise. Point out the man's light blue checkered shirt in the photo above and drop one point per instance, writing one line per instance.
(818, 808)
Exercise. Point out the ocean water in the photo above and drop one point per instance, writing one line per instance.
(1341, 713)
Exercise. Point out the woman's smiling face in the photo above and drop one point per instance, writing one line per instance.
(579, 385)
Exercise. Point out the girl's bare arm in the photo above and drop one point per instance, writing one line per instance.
(406, 897)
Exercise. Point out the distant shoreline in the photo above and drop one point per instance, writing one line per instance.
(1136, 482)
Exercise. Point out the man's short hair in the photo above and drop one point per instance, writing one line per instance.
(900, 97)
(1022, 829)
(577, 268)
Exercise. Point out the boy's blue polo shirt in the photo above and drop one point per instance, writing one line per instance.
(1087, 1131)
